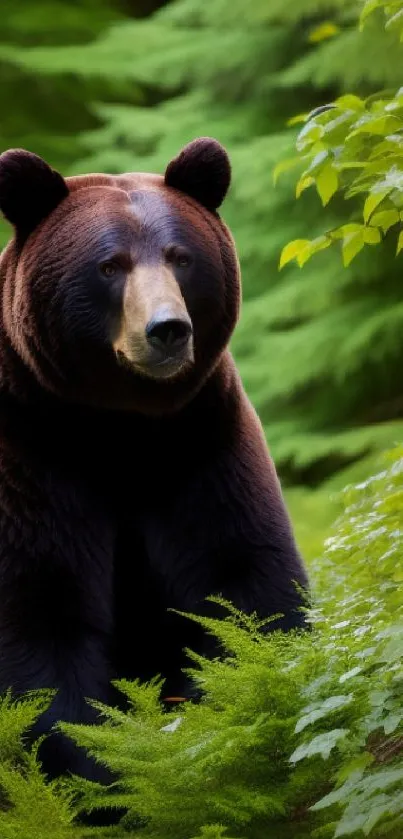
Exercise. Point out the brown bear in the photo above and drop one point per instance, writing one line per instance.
(135, 479)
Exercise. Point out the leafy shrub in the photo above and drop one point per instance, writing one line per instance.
(355, 147)
(297, 736)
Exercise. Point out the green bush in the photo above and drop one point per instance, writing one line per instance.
(298, 735)
(355, 147)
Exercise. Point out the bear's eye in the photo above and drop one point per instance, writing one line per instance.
(183, 260)
(178, 257)
(109, 269)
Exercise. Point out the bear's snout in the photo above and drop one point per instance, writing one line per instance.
(168, 335)
(156, 332)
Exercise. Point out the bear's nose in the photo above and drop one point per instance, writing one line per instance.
(168, 334)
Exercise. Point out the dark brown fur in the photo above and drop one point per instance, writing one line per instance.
(123, 495)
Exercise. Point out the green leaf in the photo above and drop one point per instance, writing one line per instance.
(391, 723)
(338, 795)
(371, 203)
(392, 145)
(368, 9)
(393, 651)
(351, 102)
(292, 250)
(379, 125)
(399, 242)
(353, 243)
(396, 21)
(333, 703)
(336, 130)
(355, 767)
(317, 161)
(385, 219)
(326, 183)
(312, 247)
(304, 182)
(309, 134)
(350, 823)
(350, 674)
(372, 235)
(320, 244)
(321, 745)
(377, 177)
(304, 255)
(346, 229)
(297, 119)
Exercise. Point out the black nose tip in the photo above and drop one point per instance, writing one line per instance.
(169, 335)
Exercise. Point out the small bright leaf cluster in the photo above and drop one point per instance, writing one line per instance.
(393, 12)
(353, 147)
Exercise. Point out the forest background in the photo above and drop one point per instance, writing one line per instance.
(298, 736)
(122, 85)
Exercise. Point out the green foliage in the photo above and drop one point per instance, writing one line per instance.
(310, 726)
(355, 147)
(297, 736)
(31, 808)
(393, 13)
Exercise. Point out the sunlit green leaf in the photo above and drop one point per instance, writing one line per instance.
(369, 7)
(320, 243)
(304, 182)
(350, 101)
(317, 161)
(304, 256)
(346, 229)
(308, 135)
(327, 183)
(379, 125)
(292, 250)
(353, 243)
(385, 219)
(298, 118)
(371, 203)
(372, 235)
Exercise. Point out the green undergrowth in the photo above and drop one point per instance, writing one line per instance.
(297, 736)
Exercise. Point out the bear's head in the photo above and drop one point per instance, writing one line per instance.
(122, 291)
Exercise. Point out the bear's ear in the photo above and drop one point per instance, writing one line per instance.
(201, 170)
(29, 189)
